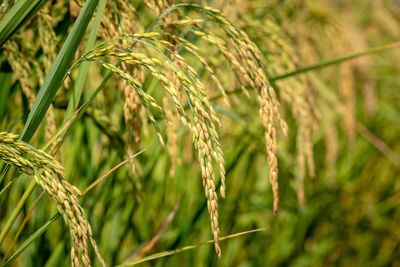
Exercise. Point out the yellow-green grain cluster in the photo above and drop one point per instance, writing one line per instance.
(49, 174)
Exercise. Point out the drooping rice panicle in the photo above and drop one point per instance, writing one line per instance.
(49, 174)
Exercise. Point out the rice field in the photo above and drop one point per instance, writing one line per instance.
(199, 133)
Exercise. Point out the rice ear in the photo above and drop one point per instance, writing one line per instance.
(49, 174)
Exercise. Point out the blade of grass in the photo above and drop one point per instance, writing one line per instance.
(228, 113)
(179, 250)
(17, 16)
(16, 211)
(58, 70)
(3, 172)
(83, 70)
(30, 239)
(24, 222)
(5, 188)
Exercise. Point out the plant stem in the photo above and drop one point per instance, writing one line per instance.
(317, 66)
(336, 61)
(16, 211)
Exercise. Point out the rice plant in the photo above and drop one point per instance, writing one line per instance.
(146, 124)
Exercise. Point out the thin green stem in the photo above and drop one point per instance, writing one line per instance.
(336, 61)
(179, 250)
(16, 211)
(317, 66)
(31, 239)
(7, 186)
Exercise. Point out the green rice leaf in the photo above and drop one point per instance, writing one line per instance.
(17, 16)
(58, 71)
